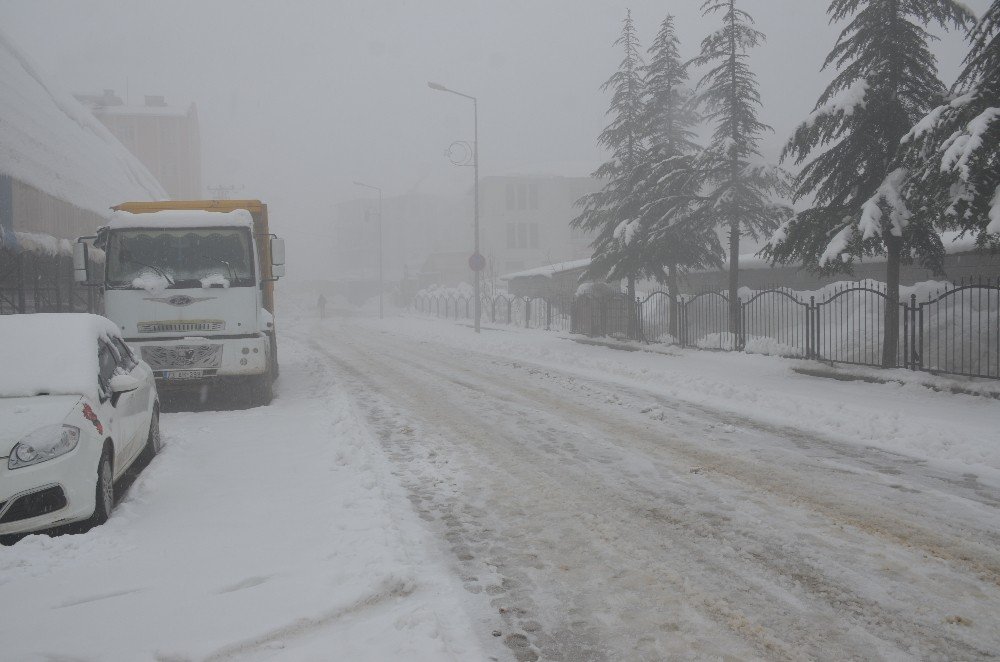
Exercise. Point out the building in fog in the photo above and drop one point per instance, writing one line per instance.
(165, 138)
(414, 226)
(60, 169)
(524, 221)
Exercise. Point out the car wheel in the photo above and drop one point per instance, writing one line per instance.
(154, 443)
(104, 497)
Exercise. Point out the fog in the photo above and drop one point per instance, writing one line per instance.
(299, 99)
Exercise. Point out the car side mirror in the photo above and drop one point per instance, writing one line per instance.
(80, 262)
(124, 383)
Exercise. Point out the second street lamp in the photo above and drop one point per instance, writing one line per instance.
(381, 284)
(476, 257)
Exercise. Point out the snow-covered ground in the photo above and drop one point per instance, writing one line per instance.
(606, 505)
(273, 533)
(419, 492)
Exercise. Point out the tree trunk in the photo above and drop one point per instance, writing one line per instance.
(890, 334)
(674, 310)
(734, 279)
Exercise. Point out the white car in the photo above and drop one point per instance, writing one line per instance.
(77, 408)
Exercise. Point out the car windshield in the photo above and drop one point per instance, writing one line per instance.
(181, 258)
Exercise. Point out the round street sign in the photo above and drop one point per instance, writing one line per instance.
(477, 262)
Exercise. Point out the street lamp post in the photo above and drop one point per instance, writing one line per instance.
(475, 164)
(381, 284)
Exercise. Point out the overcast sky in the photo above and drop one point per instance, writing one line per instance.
(297, 98)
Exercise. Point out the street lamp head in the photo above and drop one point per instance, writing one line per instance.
(437, 86)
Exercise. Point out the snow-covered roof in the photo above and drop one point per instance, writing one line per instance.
(54, 353)
(173, 219)
(154, 111)
(53, 143)
(549, 270)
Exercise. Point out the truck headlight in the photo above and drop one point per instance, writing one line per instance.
(43, 444)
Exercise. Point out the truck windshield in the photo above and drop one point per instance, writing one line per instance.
(184, 258)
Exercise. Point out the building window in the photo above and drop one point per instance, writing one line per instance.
(522, 235)
(510, 195)
(522, 196)
(533, 238)
(511, 236)
(533, 196)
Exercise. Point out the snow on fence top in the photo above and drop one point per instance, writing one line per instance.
(549, 270)
(174, 219)
(51, 142)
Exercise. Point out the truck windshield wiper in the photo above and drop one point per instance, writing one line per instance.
(125, 256)
(229, 268)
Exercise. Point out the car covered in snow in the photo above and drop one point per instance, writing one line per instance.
(77, 408)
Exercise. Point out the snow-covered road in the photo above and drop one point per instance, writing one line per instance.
(593, 517)
(417, 492)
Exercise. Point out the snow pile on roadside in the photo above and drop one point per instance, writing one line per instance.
(273, 533)
(959, 430)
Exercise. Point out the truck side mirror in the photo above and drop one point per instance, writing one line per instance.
(80, 262)
(277, 270)
(277, 251)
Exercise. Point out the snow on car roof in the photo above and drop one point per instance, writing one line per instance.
(54, 353)
(181, 218)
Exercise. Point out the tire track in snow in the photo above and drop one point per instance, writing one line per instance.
(744, 561)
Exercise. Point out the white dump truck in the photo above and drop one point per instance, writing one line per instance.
(190, 285)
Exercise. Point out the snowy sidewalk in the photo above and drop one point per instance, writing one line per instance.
(274, 533)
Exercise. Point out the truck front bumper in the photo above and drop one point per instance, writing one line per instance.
(205, 358)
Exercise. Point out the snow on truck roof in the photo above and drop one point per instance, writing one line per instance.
(53, 353)
(173, 219)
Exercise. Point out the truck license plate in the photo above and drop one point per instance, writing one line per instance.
(183, 374)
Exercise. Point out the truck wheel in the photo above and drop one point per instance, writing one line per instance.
(260, 391)
(274, 355)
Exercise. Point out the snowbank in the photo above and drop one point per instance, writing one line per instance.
(274, 533)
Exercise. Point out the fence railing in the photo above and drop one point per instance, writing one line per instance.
(956, 330)
(37, 283)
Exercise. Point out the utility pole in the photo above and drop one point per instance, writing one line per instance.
(477, 263)
(381, 283)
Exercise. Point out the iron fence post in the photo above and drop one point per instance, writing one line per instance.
(548, 314)
(810, 347)
(527, 313)
(20, 283)
(639, 335)
(741, 339)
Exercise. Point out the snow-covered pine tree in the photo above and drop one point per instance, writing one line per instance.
(666, 182)
(955, 150)
(609, 211)
(740, 189)
(887, 81)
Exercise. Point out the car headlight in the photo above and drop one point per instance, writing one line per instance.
(43, 444)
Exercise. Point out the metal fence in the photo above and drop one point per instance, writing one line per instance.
(956, 330)
(38, 283)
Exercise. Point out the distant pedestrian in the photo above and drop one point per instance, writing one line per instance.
(321, 304)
